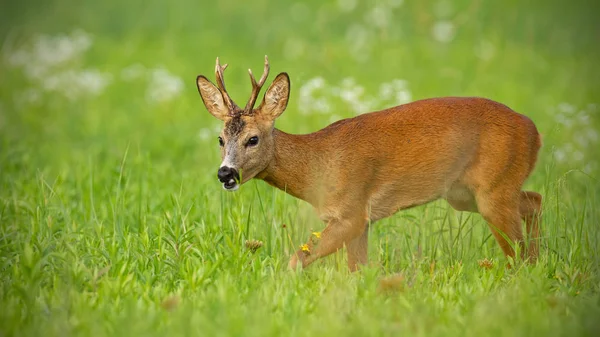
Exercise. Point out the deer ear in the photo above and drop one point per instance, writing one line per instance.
(276, 97)
(212, 98)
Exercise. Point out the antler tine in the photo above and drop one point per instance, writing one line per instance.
(256, 86)
(221, 84)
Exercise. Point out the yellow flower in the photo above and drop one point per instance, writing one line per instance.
(317, 234)
(305, 248)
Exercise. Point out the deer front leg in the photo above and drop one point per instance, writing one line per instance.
(357, 250)
(337, 233)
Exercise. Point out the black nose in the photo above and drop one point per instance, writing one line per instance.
(225, 174)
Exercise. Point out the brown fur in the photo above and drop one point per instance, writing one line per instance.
(473, 152)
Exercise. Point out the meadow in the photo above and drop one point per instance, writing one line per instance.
(113, 223)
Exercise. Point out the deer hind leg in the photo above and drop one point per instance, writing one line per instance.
(530, 209)
(500, 208)
(339, 232)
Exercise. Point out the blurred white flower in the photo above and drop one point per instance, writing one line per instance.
(74, 84)
(206, 133)
(92, 81)
(321, 105)
(485, 50)
(293, 48)
(581, 139)
(163, 86)
(30, 96)
(395, 3)
(363, 106)
(133, 72)
(55, 50)
(50, 51)
(316, 96)
(443, 31)
(583, 117)
(308, 95)
(386, 91)
(353, 95)
(379, 16)
(347, 5)
(403, 97)
(396, 91)
(49, 62)
(564, 120)
(590, 168)
(592, 107)
(359, 41)
(18, 58)
(576, 124)
(349, 90)
(566, 108)
(592, 135)
(560, 155)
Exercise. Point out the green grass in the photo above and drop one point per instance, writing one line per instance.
(112, 222)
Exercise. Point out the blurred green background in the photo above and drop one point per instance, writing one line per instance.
(532, 56)
(113, 222)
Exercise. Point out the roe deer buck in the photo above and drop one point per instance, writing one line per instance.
(473, 152)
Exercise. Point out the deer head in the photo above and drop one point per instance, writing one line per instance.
(246, 141)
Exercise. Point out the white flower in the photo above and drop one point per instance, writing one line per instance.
(48, 62)
(592, 135)
(379, 16)
(581, 139)
(51, 51)
(31, 96)
(293, 48)
(133, 72)
(205, 133)
(566, 108)
(92, 81)
(18, 58)
(395, 3)
(321, 105)
(485, 50)
(589, 168)
(347, 5)
(396, 90)
(309, 99)
(163, 86)
(359, 40)
(403, 97)
(592, 107)
(559, 155)
(443, 31)
(386, 91)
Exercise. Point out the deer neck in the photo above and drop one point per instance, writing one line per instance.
(295, 159)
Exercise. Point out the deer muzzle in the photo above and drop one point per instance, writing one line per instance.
(229, 177)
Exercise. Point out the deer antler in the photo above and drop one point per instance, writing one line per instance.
(256, 86)
(221, 83)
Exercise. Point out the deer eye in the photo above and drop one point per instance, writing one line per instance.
(252, 141)
(221, 142)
